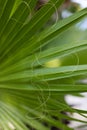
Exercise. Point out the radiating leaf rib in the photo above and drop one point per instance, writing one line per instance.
(59, 88)
(37, 21)
(15, 22)
(45, 118)
(45, 56)
(58, 52)
(2, 5)
(3, 120)
(46, 74)
(17, 3)
(68, 118)
(6, 13)
(49, 54)
(31, 122)
(18, 124)
(48, 35)
(56, 29)
(50, 120)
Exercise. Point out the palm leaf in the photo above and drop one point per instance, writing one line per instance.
(29, 95)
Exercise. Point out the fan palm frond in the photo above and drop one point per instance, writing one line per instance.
(30, 95)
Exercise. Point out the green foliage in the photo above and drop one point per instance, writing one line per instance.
(32, 94)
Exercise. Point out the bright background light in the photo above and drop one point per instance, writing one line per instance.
(83, 3)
